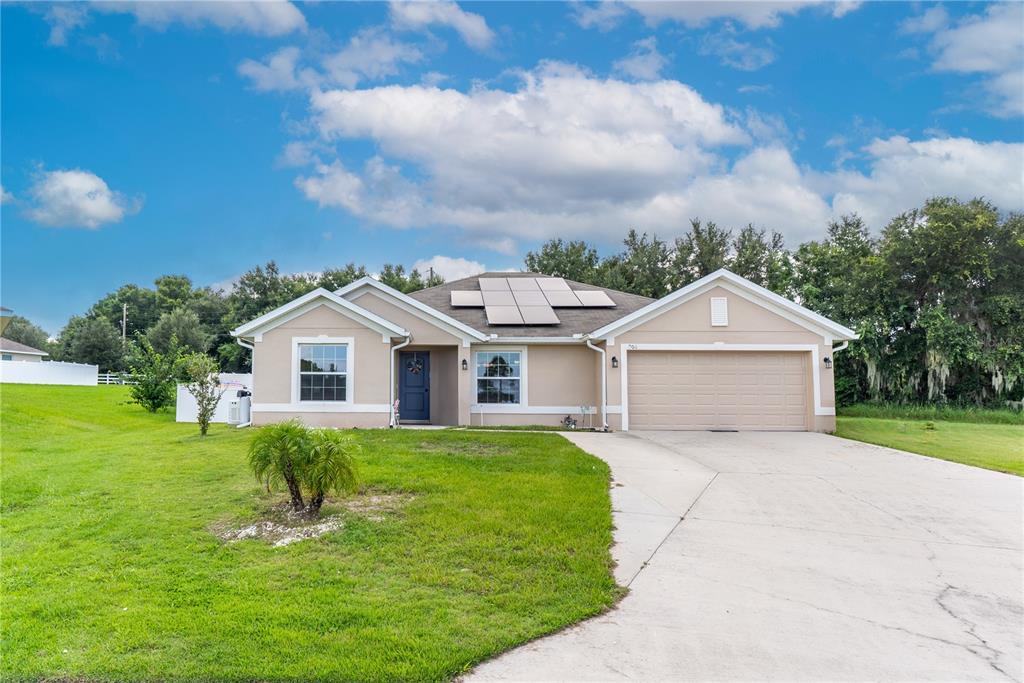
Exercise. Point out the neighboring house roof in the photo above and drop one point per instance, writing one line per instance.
(429, 311)
(16, 347)
(572, 321)
(309, 301)
(738, 285)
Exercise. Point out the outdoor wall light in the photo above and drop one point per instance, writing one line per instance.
(828, 363)
(465, 364)
(615, 362)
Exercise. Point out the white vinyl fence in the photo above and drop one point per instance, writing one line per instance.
(186, 410)
(47, 372)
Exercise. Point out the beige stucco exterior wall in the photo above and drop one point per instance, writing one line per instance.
(368, 374)
(558, 376)
(749, 323)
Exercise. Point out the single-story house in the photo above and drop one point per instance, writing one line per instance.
(522, 348)
(12, 350)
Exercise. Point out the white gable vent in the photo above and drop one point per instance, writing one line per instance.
(719, 311)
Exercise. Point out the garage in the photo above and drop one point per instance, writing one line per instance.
(697, 390)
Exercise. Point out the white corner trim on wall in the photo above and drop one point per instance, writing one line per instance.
(350, 366)
(811, 348)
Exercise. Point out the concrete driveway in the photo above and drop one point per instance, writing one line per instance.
(796, 556)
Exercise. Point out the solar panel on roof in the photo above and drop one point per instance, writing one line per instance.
(467, 298)
(528, 284)
(503, 315)
(495, 298)
(529, 298)
(549, 284)
(538, 315)
(594, 298)
(565, 299)
(498, 284)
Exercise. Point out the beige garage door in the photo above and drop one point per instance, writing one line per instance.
(747, 390)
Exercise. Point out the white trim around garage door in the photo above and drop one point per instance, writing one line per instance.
(812, 348)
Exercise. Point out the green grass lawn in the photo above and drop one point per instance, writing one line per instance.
(111, 572)
(992, 446)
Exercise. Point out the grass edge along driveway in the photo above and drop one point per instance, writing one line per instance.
(111, 572)
(998, 447)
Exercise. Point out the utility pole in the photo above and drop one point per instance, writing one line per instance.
(124, 323)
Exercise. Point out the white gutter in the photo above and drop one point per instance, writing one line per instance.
(837, 349)
(391, 380)
(604, 385)
(252, 366)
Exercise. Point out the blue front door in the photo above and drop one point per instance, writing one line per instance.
(414, 385)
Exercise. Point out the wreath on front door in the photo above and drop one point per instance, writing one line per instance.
(414, 365)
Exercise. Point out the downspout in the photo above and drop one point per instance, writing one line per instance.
(391, 380)
(837, 349)
(604, 385)
(252, 366)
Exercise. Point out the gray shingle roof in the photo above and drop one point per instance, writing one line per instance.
(16, 347)
(572, 320)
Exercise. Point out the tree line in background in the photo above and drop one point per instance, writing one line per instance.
(937, 298)
(175, 318)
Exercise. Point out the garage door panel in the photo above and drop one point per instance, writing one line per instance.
(718, 390)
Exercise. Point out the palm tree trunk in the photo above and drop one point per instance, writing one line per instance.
(293, 488)
(314, 503)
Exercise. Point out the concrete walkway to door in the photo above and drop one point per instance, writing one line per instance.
(796, 556)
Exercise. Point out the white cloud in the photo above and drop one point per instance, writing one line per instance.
(276, 73)
(904, 173)
(5, 196)
(77, 198)
(63, 19)
(929, 21)
(259, 17)
(644, 61)
(732, 52)
(371, 54)
(571, 154)
(604, 16)
(746, 89)
(991, 44)
(753, 14)
(297, 153)
(450, 268)
(417, 16)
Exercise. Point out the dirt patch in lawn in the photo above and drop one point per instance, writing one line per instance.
(282, 526)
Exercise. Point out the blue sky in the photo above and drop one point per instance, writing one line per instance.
(204, 138)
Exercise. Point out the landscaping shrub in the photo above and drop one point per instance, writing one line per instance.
(307, 461)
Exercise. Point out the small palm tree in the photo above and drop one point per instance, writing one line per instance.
(311, 461)
(331, 467)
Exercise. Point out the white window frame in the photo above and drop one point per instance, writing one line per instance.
(350, 384)
(8, 356)
(500, 407)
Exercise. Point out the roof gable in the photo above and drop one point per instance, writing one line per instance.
(413, 307)
(309, 301)
(740, 286)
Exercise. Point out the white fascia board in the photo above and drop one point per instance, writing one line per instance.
(437, 316)
(680, 296)
(536, 340)
(25, 353)
(270, 320)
